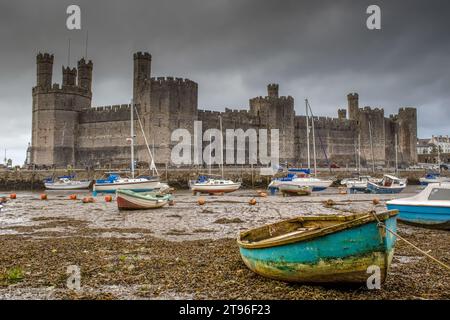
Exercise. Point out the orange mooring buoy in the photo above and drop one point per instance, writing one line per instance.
(73, 197)
(252, 202)
(376, 201)
(87, 200)
(12, 196)
(201, 201)
(108, 198)
(43, 196)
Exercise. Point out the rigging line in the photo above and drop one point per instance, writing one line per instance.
(145, 139)
(383, 225)
(320, 138)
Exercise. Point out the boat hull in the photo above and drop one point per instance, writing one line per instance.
(425, 181)
(374, 188)
(73, 186)
(341, 257)
(435, 217)
(141, 186)
(130, 202)
(215, 188)
(290, 189)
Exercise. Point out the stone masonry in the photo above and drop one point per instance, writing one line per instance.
(67, 130)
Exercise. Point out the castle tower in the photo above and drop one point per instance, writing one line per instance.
(141, 77)
(85, 74)
(44, 64)
(342, 114)
(407, 134)
(272, 90)
(277, 112)
(69, 76)
(56, 112)
(353, 106)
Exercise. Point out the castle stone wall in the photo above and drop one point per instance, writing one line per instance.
(67, 130)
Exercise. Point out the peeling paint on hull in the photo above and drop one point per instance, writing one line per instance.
(341, 257)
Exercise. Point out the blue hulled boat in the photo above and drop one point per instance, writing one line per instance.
(321, 249)
(388, 185)
(430, 208)
(433, 177)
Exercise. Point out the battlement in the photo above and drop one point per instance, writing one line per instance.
(56, 88)
(82, 63)
(69, 70)
(111, 108)
(140, 55)
(106, 113)
(352, 96)
(371, 110)
(407, 110)
(326, 123)
(161, 81)
(269, 99)
(44, 57)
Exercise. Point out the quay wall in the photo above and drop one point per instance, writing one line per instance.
(32, 180)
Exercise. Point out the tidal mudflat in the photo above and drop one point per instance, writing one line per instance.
(186, 251)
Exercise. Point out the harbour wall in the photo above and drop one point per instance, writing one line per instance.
(32, 180)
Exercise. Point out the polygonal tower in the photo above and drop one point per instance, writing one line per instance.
(141, 78)
(56, 110)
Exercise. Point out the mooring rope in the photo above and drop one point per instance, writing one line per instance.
(381, 224)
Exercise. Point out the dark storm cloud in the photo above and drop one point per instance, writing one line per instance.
(316, 49)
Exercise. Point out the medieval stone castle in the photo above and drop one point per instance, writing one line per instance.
(67, 130)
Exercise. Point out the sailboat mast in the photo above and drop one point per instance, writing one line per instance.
(371, 146)
(396, 154)
(438, 152)
(314, 146)
(132, 138)
(307, 134)
(221, 144)
(210, 155)
(359, 152)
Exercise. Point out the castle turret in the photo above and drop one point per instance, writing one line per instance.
(272, 90)
(407, 134)
(44, 64)
(85, 74)
(69, 76)
(353, 106)
(141, 76)
(342, 114)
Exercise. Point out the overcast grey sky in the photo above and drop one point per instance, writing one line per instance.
(321, 50)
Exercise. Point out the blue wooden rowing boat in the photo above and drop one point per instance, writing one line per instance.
(430, 208)
(321, 249)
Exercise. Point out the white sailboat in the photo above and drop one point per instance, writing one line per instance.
(140, 184)
(214, 185)
(315, 183)
(67, 183)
